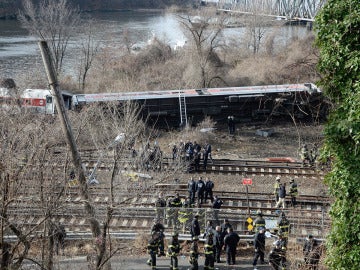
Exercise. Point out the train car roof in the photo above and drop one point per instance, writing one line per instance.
(226, 91)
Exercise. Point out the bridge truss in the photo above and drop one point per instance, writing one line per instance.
(285, 9)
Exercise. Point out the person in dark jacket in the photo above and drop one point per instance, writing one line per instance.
(259, 221)
(192, 190)
(293, 192)
(200, 189)
(209, 185)
(209, 252)
(173, 251)
(152, 249)
(259, 244)
(173, 209)
(207, 154)
(224, 229)
(160, 205)
(216, 206)
(194, 254)
(282, 195)
(195, 227)
(283, 225)
(218, 242)
(231, 240)
(159, 228)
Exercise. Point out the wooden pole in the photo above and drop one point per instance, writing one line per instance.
(66, 126)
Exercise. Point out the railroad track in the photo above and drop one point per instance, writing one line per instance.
(138, 212)
(231, 167)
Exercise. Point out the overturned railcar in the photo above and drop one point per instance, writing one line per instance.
(173, 108)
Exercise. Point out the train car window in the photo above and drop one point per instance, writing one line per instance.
(199, 91)
(27, 102)
(48, 99)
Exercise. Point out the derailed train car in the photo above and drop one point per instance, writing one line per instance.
(173, 108)
(32, 100)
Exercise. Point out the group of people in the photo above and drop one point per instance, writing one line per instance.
(222, 237)
(192, 153)
(277, 255)
(216, 239)
(200, 190)
(280, 192)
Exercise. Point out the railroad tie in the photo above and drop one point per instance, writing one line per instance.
(124, 223)
(113, 222)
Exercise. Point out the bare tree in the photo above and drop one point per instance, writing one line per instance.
(255, 31)
(29, 188)
(89, 49)
(256, 25)
(53, 21)
(204, 33)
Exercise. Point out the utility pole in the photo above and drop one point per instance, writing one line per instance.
(66, 126)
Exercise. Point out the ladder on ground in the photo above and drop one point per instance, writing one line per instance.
(182, 106)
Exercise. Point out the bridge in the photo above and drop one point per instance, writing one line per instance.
(304, 10)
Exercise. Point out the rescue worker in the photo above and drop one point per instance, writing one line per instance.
(200, 189)
(293, 192)
(192, 189)
(184, 214)
(259, 221)
(275, 256)
(209, 228)
(231, 240)
(283, 246)
(195, 227)
(309, 249)
(173, 251)
(283, 225)
(224, 229)
(197, 158)
(152, 248)
(231, 125)
(304, 154)
(207, 154)
(218, 242)
(160, 206)
(174, 152)
(194, 254)
(175, 204)
(209, 252)
(159, 228)
(276, 189)
(282, 195)
(209, 185)
(259, 244)
(216, 206)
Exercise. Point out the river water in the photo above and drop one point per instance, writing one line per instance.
(19, 52)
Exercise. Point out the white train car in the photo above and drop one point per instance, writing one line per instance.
(31, 100)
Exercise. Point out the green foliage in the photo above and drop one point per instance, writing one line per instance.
(338, 37)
